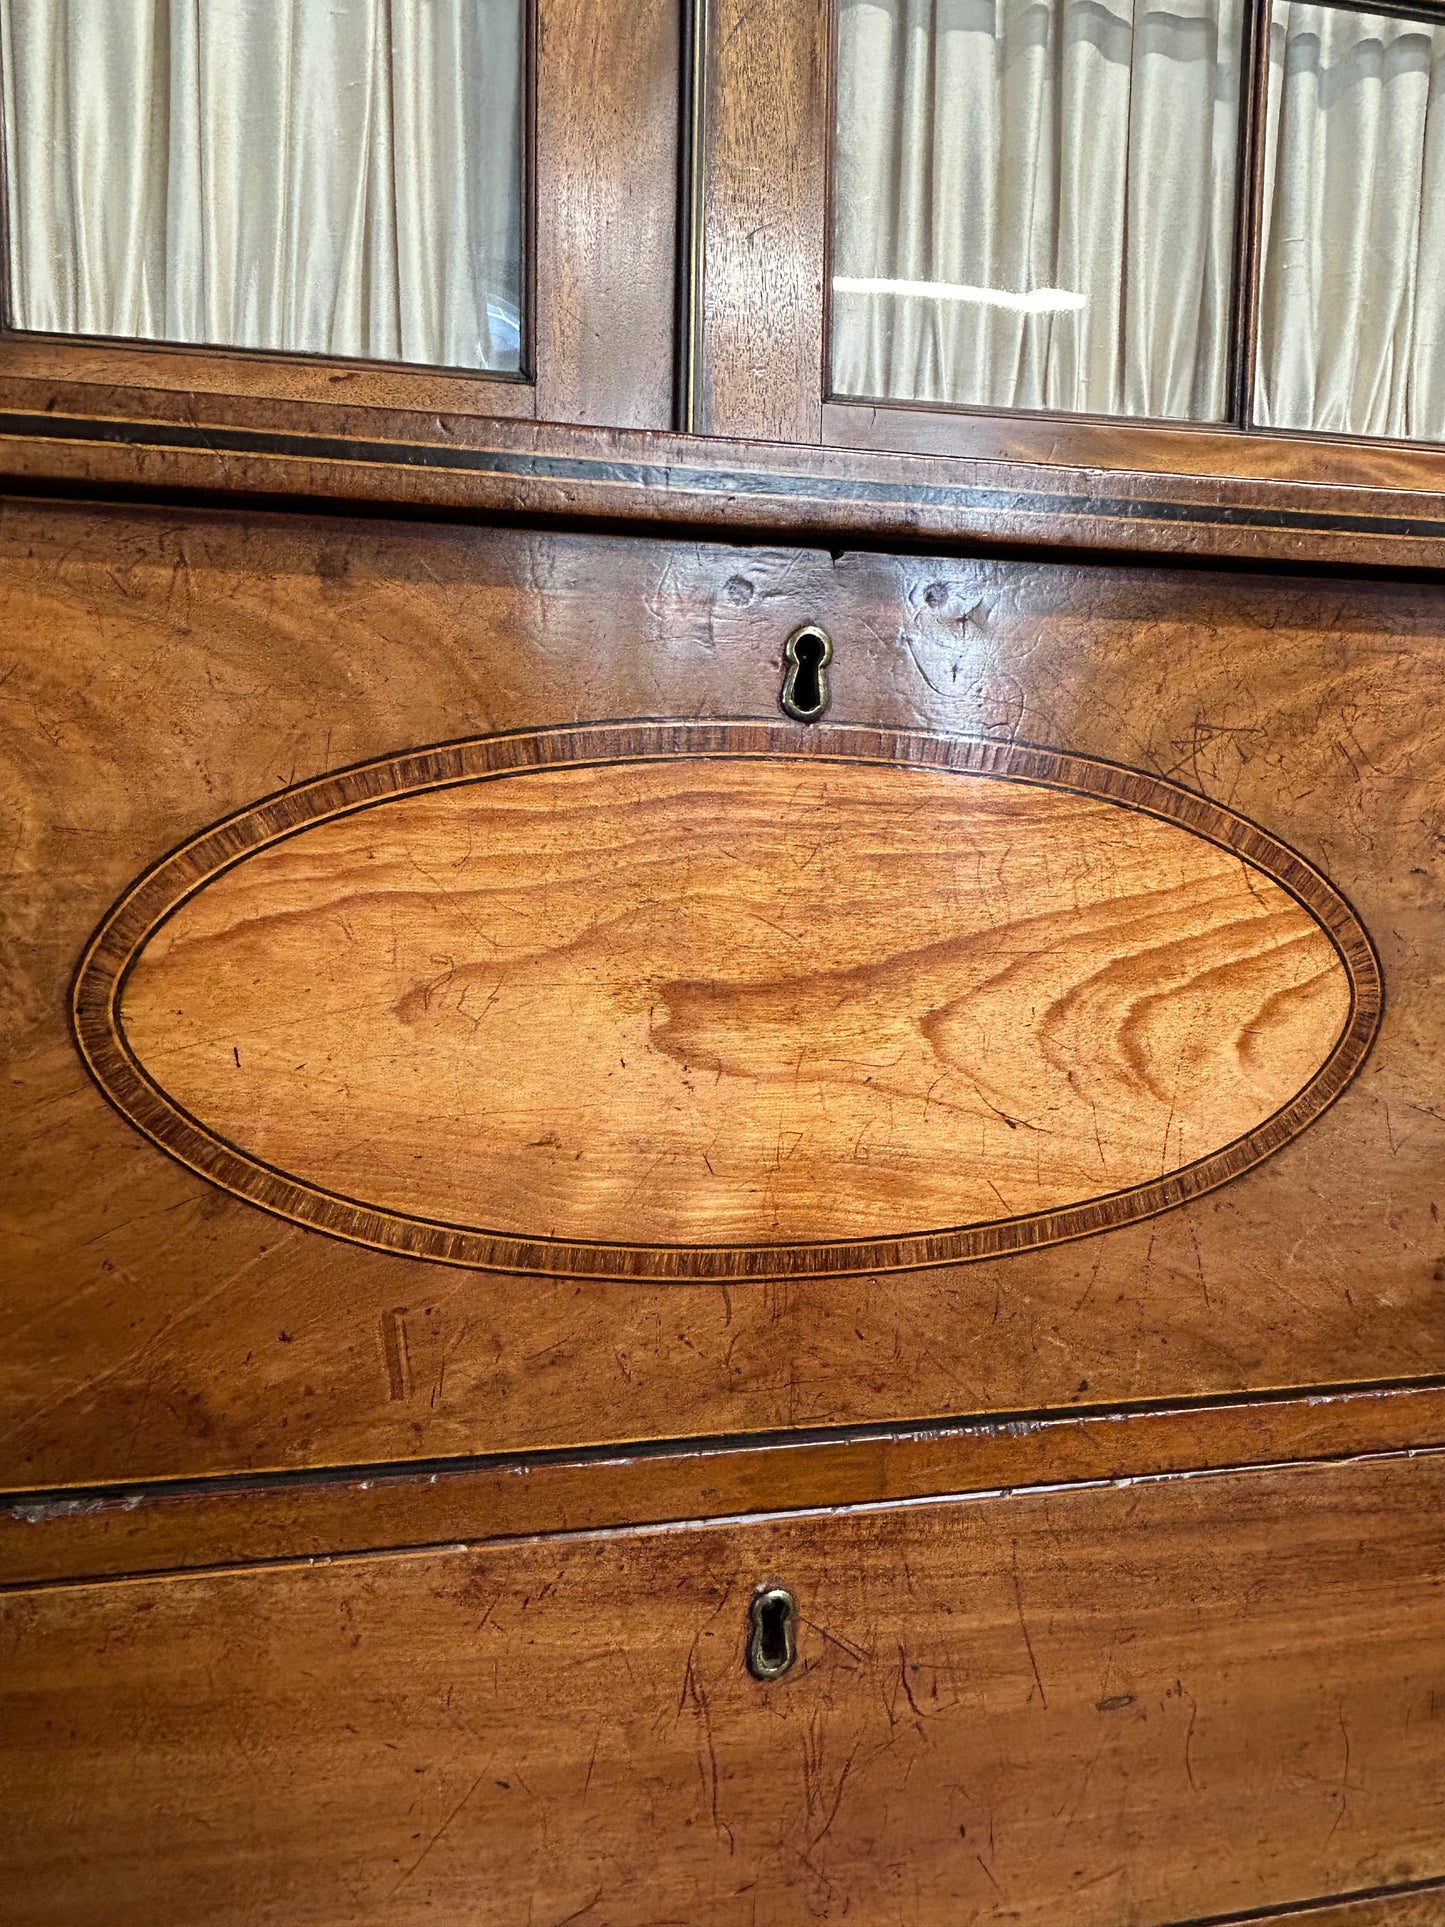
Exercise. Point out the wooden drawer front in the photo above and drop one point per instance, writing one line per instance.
(1095, 1705)
(818, 950)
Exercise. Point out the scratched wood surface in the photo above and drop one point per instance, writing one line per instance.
(1154, 1703)
(161, 668)
(777, 1000)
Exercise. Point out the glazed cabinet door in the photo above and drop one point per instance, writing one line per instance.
(461, 208)
(1139, 243)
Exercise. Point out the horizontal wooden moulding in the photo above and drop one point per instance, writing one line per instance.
(53, 435)
(47, 1537)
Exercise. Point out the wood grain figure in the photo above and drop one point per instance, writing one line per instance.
(711, 1000)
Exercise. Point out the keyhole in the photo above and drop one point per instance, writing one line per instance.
(771, 1646)
(805, 685)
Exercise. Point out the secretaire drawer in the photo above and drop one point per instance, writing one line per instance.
(520, 1033)
(1149, 1702)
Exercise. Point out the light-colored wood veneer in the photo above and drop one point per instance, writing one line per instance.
(729, 998)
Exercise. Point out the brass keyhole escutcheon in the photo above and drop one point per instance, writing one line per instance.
(806, 656)
(772, 1642)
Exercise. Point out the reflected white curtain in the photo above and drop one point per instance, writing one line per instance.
(329, 176)
(1077, 155)
(1352, 299)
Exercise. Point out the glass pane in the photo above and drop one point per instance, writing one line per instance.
(1035, 203)
(338, 177)
(1352, 295)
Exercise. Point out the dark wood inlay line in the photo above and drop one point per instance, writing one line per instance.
(1358, 1900)
(736, 487)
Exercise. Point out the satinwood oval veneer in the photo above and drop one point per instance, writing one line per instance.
(726, 999)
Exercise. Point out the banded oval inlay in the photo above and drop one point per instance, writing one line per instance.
(724, 1000)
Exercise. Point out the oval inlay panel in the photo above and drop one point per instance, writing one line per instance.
(726, 1000)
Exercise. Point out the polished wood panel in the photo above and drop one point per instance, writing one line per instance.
(608, 111)
(71, 1535)
(1144, 1703)
(821, 998)
(764, 159)
(162, 670)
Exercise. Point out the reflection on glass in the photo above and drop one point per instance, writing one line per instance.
(336, 177)
(1352, 295)
(1035, 203)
